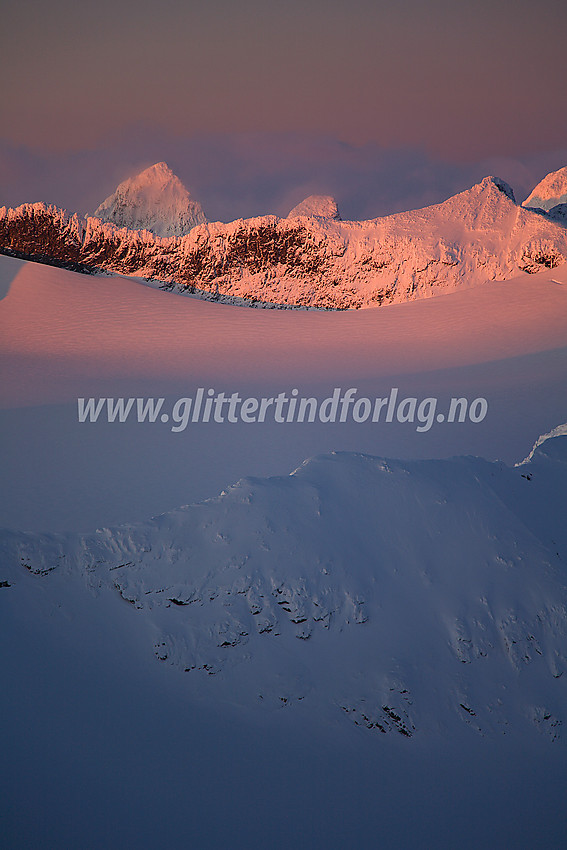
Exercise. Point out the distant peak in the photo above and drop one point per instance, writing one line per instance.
(159, 168)
(158, 173)
(549, 192)
(324, 206)
(154, 200)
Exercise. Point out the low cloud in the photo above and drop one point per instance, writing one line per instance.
(242, 175)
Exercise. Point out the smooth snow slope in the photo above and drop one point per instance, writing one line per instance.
(65, 335)
(62, 332)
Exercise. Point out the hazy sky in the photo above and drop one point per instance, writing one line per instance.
(459, 82)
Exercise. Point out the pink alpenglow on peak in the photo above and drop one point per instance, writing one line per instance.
(154, 200)
(324, 206)
(549, 192)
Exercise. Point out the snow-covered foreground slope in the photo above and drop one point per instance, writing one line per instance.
(62, 334)
(105, 746)
(308, 260)
(413, 599)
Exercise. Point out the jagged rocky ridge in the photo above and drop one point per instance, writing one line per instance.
(475, 236)
(408, 597)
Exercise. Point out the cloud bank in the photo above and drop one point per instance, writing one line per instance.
(242, 175)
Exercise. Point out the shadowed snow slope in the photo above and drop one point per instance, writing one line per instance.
(409, 598)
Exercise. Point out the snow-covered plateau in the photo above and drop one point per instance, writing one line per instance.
(312, 259)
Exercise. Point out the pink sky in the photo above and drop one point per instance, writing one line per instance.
(462, 80)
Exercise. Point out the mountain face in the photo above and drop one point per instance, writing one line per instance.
(550, 192)
(324, 206)
(411, 598)
(155, 200)
(476, 236)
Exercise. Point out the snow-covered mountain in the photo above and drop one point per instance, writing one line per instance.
(476, 236)
(549, 192)
(324, 206)
(411, 598)
(154, 200)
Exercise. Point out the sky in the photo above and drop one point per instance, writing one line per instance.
(256, 104)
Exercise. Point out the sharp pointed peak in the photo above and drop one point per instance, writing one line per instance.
(155, 199)
(158, 172)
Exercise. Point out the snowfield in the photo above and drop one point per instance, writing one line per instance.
(65, 335)
(308, 657)
(62, 332)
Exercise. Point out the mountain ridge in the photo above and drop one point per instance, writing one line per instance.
(478, 235)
